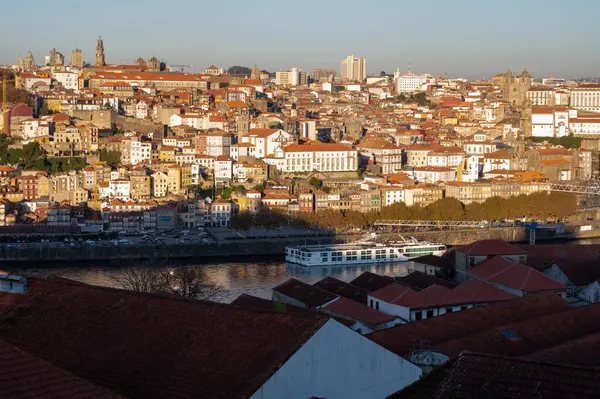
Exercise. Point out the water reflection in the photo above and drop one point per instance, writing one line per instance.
(255, 278)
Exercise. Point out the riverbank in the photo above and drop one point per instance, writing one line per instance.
(152, 253)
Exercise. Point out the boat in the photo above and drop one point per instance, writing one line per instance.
(362, 252)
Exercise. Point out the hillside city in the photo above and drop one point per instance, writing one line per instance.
(145, 146)
(137, 170)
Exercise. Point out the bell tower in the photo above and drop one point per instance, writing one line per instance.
(100, 53)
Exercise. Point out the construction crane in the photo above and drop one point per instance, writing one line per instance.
(181, 67)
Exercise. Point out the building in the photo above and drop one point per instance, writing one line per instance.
(514, 89)
(478, 375)
(411, 83)
(323, 74)
(320, 157)
(515, 278)
(100, 60)
(480, 251)
(77, 58)
(286, 360)
(586, 97)
(384, 154)
(293, 77)
(353, 68)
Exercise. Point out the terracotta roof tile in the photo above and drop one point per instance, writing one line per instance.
(491, 247)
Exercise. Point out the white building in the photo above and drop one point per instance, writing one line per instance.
(319, 157)
(391, 194)
(586, 97)
(135, 151)
(266, 141)
(433, 174)
(120, 188)
(550, 121)
(353, 68)
(223, 169)
(220, 213)
(218, 143)
(541, 95)
(69, 80)
(448, 157)
(293, 77)
(411, 83)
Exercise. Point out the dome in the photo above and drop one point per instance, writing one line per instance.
(508, 74)
(153, 59)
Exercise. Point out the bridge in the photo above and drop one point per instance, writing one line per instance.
(590, 187)
(431, 223)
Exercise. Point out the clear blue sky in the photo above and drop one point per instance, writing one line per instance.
(471, 38)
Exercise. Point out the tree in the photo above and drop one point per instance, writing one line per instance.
(112, 158)
(139, 280)
(315, 182)
(239, 70)
(192, 283)
(189, 282)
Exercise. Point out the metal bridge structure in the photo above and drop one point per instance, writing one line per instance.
(590, 187)
(430, 223)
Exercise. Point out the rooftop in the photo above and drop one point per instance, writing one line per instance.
(476, 375)
(127, 351)
(307, 294)
(491, 247)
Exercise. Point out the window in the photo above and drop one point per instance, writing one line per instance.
(377, 305)
(430, 313)
(419, 315)
(471, 261)
(371, 303)
(449, 310)
(336, 256)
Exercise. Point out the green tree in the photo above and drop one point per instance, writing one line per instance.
(315, 182)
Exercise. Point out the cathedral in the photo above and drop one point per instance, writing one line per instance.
(514, 89)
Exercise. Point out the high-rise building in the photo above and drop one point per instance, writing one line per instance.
(354, 68)
(100, 61)
(323, 74)
(77, 58)
(293, 77)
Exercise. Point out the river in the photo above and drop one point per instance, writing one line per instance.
(255, 277)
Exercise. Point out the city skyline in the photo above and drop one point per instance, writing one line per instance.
(433, 38)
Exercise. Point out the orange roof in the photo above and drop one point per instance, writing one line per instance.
(317, 147)
(236, 104)
(554, 161)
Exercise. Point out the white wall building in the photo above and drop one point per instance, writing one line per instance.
(411, 83)
(337, 362)
(319, 157)
(69, 80)
(586, 97)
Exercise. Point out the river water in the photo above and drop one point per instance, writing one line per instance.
(255, 277)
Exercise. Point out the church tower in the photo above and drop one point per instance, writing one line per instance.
(100, 53)
(29, 62)
(255, 73)
(77, 58)
(21, 63)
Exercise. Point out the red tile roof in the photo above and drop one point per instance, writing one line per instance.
(467, 322)
(149, 346)
(371, 281)
(342, 288)
(312, 297)
(491, 247)
(480, 291)
(509, 274)
(25, 377)
(474, 375)
(317, 147)
(347, 308)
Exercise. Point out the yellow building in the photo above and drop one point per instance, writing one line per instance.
(43, 186)
(167, 154)
(186, 176)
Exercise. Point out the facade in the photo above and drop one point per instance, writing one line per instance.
(77, 58)
(323, 74)
(586, 97)
(411, 83)
(293, 77)
(353, 68)
(319, 157)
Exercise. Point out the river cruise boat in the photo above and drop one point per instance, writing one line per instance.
(361, 252)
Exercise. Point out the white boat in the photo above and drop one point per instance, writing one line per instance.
(361, 252)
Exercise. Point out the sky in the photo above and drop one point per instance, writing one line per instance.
(464, 38)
